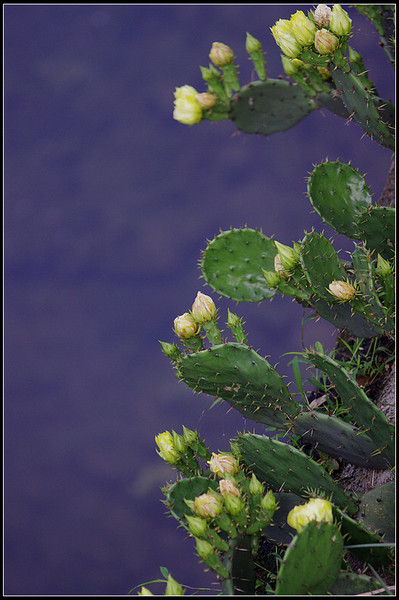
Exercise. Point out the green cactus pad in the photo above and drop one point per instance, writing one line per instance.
(338, 193)
(265, 107)
(342, 315)
(244, 379)
(233, 261)
(283, 466)
(187, 489)
(362, 105)
(338, 439)
(321, 263)
(376, 227)
(362, 409)
(377, 510)
(311, 562)
(350, 584)
(383, 18)
(366, 544)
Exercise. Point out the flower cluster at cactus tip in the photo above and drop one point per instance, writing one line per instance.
(317, 509)
(299, 32)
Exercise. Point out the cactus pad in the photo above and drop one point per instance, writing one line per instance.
(311, 562)
(233, 261)
(338, 193)
(282, 465)
(265, 107)
(244, 379)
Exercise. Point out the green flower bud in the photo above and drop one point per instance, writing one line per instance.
(342, 290)
(221, 464)
(197, 525)
(340, 22)
(206, 100)
(208, 506)
(203, 309)
(303, 28)
(221, 55)
(178, 442)
(289, 257)
(268, 501)
(173, 588)
(204, 549)
(228, 487)
(187, 109)
(189, 435)
(291, 65)
(255, 486)
(322, 15)
(325, 42)
(169, 350)
(145, 592)
(317, 509)
(233, 504)
(272, 277)
(279, 269)
(166, 447)
(383, 267)
(185, 326)
(285, 38)
(252, 44)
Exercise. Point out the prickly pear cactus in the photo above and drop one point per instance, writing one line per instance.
(317, 525)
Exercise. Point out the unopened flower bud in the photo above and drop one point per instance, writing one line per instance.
(322, 15)
(383, 267)
(317, 509)
(173, 588)
(340, 22)
(206, 100)
(221, 55)
(145, 592)
(342, 290)
(291, 65)
(203, 309)
(255, 486)
(278, 266)
(303, 28)
(285, 38)
(252, 44)
(185, 326)
(166, 447)
(228, 487)
(221, 464)
(325, 42)
(189, 435)
(197, 525)
(178, 442)
(208, 506)
(233, 504)
(272, 277)
(187, 109)
(289, 257)
(268, 501)
(204, 549)
(324, 72)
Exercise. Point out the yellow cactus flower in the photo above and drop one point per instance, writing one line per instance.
(187, 109)
(222, 464)
(317, 509)
(325, 42)
(342, 290)
(228, 487)
(340, 22)
(203, 309)
(285, 38)
(185, 326)
(208, 506)
(167, 450)
(221, 55)
(303, 28)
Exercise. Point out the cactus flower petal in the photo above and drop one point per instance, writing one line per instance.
(317, 509)
(285, 38)
(303, 28)
(187, 109)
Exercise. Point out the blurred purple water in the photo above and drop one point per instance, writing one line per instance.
(108, 204)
